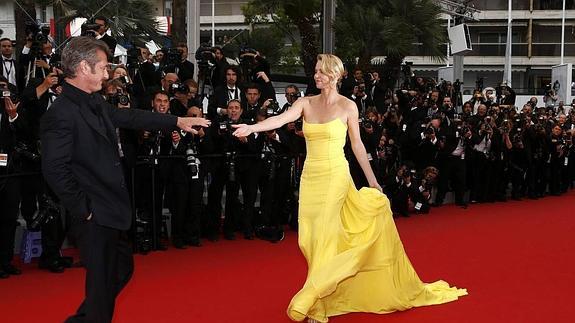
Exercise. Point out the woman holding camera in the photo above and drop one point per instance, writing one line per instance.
(347, 236)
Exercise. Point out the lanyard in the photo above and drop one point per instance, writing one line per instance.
(8, 71)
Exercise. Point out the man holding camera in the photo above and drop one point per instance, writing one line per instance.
(102, 34)
(10, 129)
(236, 169)
(81, 163)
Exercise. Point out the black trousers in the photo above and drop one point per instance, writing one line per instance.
(247, 180)
(107, 257)
(452, 170)
(9, 202)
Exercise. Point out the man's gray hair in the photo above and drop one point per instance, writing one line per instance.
(81, 49)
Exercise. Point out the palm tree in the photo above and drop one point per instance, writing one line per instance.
(285, 15)
(131, 21)
(179, 11)
(391, 28)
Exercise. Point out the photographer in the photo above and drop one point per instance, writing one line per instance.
(452, 162)
(187, 230)
(39, 64)
(398, 188)
(558, 150)
(102, 34)
(506, 97)
(183, 68)
(223, 94)
(11, 69)
(167, 172)
(233, 170)
(361, 99)
(221, 64)
(11, 128)
(253, 64)
(388, 158)
(274, 169)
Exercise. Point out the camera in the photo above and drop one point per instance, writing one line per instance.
(295, 95)
(226, 125)
(205, 56)
(299, 124)
(178, 88)
(192, 162)
(429, 131)
(172, 57)
(366, 122)
(119, 98)
(27, 152)
(273, 108)
(47, 212)
(89, 28)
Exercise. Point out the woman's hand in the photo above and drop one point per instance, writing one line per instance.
(375, 184)
(242, 130)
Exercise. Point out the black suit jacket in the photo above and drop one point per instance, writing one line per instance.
(80, 158)
(111, 42)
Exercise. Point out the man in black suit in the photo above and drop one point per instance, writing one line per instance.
(81, 163)
(10, 67)
(223, 94)
(10, 129)
(103, 36)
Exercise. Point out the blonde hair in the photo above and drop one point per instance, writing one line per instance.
(331, 66)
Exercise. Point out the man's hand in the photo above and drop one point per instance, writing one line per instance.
(187, 123)
(263, 76)
(42, 63)
(51, 80)
(11, 108)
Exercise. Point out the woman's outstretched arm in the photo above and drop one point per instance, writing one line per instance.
(291, 114)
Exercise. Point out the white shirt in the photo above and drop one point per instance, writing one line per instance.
(9, 69)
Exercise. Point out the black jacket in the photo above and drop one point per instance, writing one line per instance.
(80, 158)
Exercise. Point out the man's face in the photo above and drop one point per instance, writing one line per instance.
(159, 55)
(252, 95)
(6, 48)
(94, 77)
(290, 95)
(219, 55)
(557, 131)
(102, 24)
(47, 48)
(482, 110)
(234, 110)
(161, 103)
(447, 101)
(168, 80)
(231, 77)
(434, 96)
(184, 51)
(192, 92)
(145, 53)
(358, 75)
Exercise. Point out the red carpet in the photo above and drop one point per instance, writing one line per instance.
(515, 259)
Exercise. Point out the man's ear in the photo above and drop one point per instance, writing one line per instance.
(84, 67)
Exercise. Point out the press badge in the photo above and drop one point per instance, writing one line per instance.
(418, 206)
(369, 157)
(3, 160)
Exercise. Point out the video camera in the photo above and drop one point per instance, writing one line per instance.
(192, 161)
(172, 57)
(38, 34)
(205, 57)
(89, 28)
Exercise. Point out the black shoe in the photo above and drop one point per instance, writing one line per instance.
(179, 245)
(194, 242)
(213, 237)
(52, 266)
(66, 262)
(11, 270)
(161, 247)
(229, 236)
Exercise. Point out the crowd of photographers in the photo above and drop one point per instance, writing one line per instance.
(422, 142)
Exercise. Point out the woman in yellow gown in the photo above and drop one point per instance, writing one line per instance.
(356, 261)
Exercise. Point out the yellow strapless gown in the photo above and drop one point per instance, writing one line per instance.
(356, 261)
